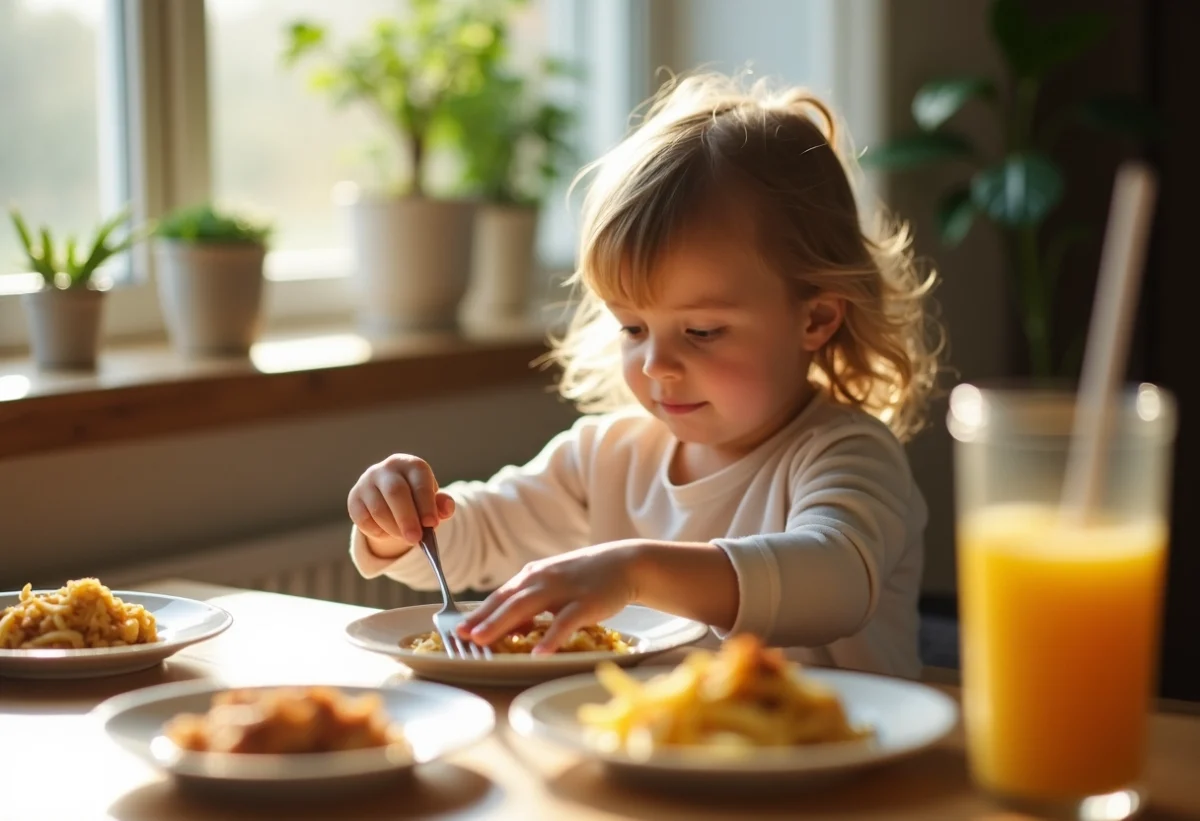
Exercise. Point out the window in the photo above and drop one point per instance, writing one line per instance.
(61, 125)
(289, 155)
(163, 104)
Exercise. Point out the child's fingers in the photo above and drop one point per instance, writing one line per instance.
(424, 489)
(513, 612)
(445, 504)
(398, 497)
(569, 619)
(363, 519)
(489, 605)
(379, 511)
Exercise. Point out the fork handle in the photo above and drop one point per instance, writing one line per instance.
(430, 546)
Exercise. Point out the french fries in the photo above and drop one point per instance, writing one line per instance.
(742, 698)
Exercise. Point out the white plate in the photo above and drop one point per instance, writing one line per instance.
(651, 631)
(905, 716)
(180, 622)
(437, 721)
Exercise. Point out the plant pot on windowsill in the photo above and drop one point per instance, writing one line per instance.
(412, 262)
(64, 327)
(209, 269)
(502, 262)
(64, 316)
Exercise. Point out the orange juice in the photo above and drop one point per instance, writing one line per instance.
(1060, 631)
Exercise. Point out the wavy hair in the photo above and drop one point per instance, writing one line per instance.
(707, 146)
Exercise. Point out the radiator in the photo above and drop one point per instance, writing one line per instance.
(313, 562)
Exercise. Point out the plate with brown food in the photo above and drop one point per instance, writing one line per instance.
(293, 740)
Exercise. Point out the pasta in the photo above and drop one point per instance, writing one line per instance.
(742, 698)
(588, 639)
(286, 720)
(83, 614)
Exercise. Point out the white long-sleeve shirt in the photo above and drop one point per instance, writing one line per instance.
(822, 522)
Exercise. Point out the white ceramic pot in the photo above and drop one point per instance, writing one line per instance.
(211, 295)
(412, 261)
(64, 327)
(502, 262)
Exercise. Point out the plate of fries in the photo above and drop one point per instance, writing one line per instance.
(744, 714)
(628, 638)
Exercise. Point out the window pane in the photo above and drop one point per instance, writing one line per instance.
(50, 165)
(281, 148)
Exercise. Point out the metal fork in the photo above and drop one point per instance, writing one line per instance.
(446, 620)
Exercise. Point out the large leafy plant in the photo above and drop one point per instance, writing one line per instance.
(410, 70)
(72, 265)
(1018, 190)
(513, 135)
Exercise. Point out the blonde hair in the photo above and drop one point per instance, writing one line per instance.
(706, 146)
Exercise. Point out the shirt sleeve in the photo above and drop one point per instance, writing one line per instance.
(521, 514)
(847, 524)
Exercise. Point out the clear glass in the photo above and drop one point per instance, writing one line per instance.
(1060, 618)
(50, 138)
(279, 148)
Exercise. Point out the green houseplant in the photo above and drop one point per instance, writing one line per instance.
(64, 315)
(209, 266)
(412, 249)
(515, 145)
(1020, 189)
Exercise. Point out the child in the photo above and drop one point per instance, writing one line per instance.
(749, 362)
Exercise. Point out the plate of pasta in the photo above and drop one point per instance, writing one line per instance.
(84, 630)
(628, 638)
(742, 715)
(293, 741)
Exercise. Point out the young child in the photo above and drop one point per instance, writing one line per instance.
(749, 362)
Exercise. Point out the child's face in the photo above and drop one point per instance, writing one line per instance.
(722, 355)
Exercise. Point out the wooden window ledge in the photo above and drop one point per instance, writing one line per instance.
(145, 390)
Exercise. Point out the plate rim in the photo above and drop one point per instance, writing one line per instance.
(48, 655)
(370, 761)
(564, 659)
(521, 720)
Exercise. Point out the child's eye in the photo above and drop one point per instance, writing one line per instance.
(631, 330)
(705, 334)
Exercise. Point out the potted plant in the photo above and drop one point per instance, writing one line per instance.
(209, 270)
(514, 144)
(64, 315)
(412, 248)
(1018, 190)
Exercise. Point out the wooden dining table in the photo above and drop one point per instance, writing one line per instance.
(56, 762)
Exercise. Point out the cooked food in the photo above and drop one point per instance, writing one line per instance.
(83, 614)
(741, 698)
(591, 638)
(286, 720)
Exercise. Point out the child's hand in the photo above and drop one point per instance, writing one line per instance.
(581, 587)
(396, 498)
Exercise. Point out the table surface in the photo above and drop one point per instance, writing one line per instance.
(55, 759)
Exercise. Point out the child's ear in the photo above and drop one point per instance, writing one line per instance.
(822, 317)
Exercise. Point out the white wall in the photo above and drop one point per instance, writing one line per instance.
(69, 512)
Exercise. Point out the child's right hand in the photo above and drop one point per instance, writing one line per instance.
(393, 500)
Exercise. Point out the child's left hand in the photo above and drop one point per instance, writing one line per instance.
(581, 587)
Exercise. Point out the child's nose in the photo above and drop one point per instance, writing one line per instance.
(660, 361)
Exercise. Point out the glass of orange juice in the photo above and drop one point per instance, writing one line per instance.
(1060, 615)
